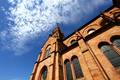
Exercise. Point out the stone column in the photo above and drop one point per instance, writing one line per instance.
(57, 67)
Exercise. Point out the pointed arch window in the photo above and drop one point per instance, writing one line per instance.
(111, 54)
(44, 74)
(77, 68)
(68, 70)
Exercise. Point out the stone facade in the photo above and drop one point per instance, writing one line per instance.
(94, 64)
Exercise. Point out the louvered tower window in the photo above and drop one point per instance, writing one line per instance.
(48, 51)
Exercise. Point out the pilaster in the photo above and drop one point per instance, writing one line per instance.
(89, 60)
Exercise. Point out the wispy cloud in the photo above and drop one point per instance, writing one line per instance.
(32, 17)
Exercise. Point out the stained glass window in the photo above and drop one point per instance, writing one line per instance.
(77, 68)
(68, 71)
(111, 55)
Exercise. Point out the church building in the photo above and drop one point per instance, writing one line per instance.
(90, 53)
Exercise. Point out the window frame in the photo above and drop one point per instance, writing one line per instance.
(113, 53)
(66, 72)
(81, 75)
(113, 38)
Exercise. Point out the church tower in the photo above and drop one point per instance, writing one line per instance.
(48, 64)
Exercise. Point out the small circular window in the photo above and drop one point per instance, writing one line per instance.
(91, 31)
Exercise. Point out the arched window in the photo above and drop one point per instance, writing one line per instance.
(116, 41)
(90, 31)
(73, 42)
(77, 67)
(117, 16)
(44, 73)
(111, 54)
(68, 70)
(48, 51)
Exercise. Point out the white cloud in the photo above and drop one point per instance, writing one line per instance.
(32, 17)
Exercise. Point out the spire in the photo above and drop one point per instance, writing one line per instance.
(57, 32)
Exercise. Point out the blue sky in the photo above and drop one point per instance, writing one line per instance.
(26, 24)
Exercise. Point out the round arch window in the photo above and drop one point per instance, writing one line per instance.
(73, 42)
(117, 16)
(90, 31)
(110, 53)
(44, 74)
(116, 41)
